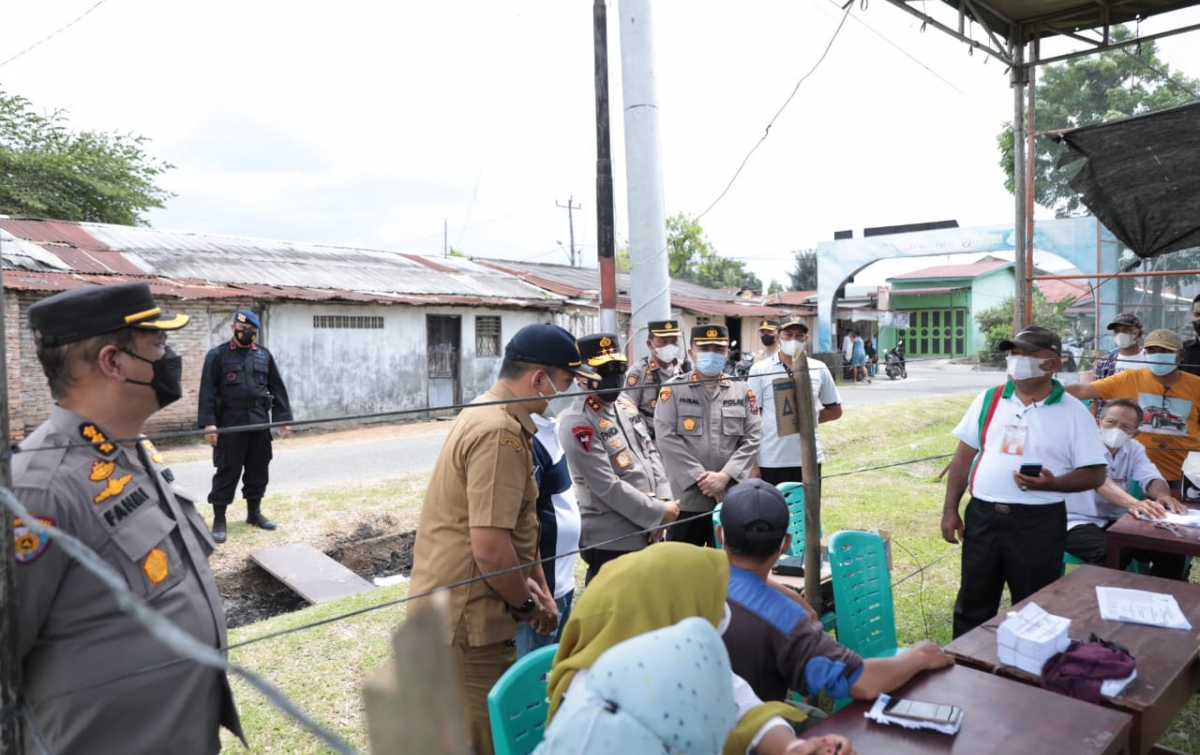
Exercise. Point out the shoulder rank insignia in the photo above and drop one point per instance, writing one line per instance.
(753, 401)
(155, 565)
(664, 395)
(605, 424)
(583, 434)
(92, 434)
(29, 545)
(512, 443)
(632, 380)
(695, 377)
(623, 460)
(594, 402)
(155, 456)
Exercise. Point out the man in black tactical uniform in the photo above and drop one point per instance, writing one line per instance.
(241, 385)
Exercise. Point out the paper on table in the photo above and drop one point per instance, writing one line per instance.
(1114, 687)
(1182, 520)
(1030, 638)
(1140, 607)
(876, 714)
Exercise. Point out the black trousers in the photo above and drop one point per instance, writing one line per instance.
(776, 475)
(596, 558)
(699, 531)
(240, 455)
(1089, 543)
(1015, 544)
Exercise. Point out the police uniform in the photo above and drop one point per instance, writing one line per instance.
(241, 385)
(767, 351)
(94, 678)
(483, 477)
(642, 381)
(616, 469)
(697, 432)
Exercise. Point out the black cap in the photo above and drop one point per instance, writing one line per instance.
(1034, 338)
(600, 349)
(749, 502)
(793, 321)
(1126, 318)
(82, 313)
(702, 334)
(550, 345)
(770, 325)
(664, 328)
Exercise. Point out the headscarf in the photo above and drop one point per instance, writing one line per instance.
(670, 688)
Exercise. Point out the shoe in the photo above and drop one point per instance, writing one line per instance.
(254, 516)
(218, 526)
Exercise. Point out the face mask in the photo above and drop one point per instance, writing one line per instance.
(168, 377)
(668, 353)
(245, 337)
(1196, 326)
(1023, 368)
(1161, 364)
(1124, 340)
(562, 399)
(767, 340)
(609, 386)
(1114, 437)
(710, 363)
(789, 348)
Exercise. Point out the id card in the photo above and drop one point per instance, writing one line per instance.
(1013, 441)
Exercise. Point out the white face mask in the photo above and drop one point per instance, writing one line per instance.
(668, 353)
(790, 348)
(1114, 437)
(1023, 367)
(1124, 340)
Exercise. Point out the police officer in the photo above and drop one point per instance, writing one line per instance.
(661, 365)
(95, 679)
(618, 474)
(768, 331)
(708, 431)
(240, 385)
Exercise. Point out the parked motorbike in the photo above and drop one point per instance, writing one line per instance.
(894, 365)
(1073, 351)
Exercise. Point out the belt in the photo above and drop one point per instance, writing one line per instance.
(1006, 509)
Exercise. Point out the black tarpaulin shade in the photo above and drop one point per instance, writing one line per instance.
(1141, 177)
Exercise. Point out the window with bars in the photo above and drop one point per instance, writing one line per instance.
(487, 336)
(348, 322)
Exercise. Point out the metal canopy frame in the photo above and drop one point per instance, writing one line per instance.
(1012, 31)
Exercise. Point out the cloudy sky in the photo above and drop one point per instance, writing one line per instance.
(381, 122)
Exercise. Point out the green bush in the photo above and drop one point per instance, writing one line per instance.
(997, 323)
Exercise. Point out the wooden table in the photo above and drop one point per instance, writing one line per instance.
(1131, 532)
(1000, 716)
(1167, 666)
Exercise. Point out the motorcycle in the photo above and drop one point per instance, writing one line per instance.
(1073, 351)
(894, 365)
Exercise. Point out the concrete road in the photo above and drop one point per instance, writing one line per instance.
(323, 466)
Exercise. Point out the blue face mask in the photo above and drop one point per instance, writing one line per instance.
(1161, 364)
(709, 363)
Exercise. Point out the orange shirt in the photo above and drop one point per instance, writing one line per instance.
(1170, 415)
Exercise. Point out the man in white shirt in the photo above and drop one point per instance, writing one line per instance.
(779, 457)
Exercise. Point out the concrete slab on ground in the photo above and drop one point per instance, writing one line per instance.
(310, 573)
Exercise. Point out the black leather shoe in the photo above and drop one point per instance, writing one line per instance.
(254, 516)
(218, 532)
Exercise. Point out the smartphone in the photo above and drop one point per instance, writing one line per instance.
(919, 711)
(1031, 470)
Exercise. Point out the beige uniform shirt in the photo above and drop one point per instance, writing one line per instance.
(483, 478)
(642, 383)
(82, 657)
(696, 433)
(616, 470)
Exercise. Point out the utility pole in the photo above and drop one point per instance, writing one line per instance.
(570, 207)
(10, 664)
(605, 232)
(445, 238)
(1020, 80)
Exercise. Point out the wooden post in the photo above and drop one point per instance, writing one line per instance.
(415, 705)
(807, 418)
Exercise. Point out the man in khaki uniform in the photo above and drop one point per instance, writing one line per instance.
(480, 517)
(94, 678)
(617, 472)
(708, 431)
(768, 334)
(661, 365)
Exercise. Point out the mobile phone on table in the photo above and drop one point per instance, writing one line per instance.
(1031, 470)
(920, 711)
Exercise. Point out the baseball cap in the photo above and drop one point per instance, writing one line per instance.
(82, 313)
(1034, 338)
(543, 343)
(246, 317)
(793, 321)
(1126, 318)
(750, 502)
(1163, 338)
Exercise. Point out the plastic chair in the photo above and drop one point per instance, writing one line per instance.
(717, 523)
(862, 594)
(793, 493)
(517, 704)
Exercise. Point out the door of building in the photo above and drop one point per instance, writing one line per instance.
(443, 335)
(937, 333)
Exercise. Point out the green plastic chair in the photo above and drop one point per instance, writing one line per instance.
(793, 493)
(862, 594)
(717, 523)
(517, 704)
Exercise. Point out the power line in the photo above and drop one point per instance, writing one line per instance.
(55, 33)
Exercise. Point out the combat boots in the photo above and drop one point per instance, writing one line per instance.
(218, 526)
(255, 516)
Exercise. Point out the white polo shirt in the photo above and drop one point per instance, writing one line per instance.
(775, 452)
(1057, 432)
(1129, 464)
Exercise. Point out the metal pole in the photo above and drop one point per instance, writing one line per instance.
(10, 663)
(1019, 74)
(605, 246)
(1030, 186)
(649, 281)
(806, 416)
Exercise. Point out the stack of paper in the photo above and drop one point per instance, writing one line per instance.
(1030, 638)
(1141, 607)
(876, 714)
(1114, 687)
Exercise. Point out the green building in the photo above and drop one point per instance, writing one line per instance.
(941, 301)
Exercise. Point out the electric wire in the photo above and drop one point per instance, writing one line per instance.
(54, 33)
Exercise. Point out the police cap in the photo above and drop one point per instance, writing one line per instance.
(82, 313)
(664, 328)
(793, 321)
(770, 325)
(702, 334)
(600, 349)
(550, 345)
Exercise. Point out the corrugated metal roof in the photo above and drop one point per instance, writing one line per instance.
(954, 271)
(52, 232)
(930, 290)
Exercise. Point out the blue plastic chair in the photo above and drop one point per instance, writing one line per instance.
(517, 704)
(862, 594)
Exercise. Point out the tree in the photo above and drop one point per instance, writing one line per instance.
(49, 171)
(804, 277)
(1093, 89)
(691, 257)
(997, 322)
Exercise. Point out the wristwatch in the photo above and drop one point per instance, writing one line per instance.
(527, 607)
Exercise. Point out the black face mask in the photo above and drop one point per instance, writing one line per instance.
(245, 337)
(168, 377)
(609, 385)
(1196, 326)
(767, 340)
